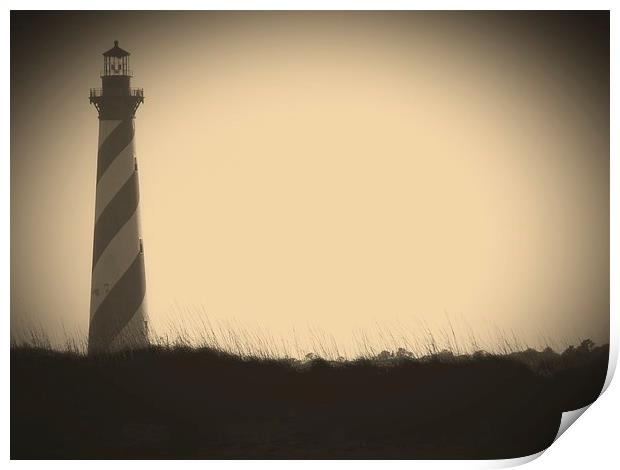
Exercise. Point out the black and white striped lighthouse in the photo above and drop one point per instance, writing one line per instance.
(118, 314)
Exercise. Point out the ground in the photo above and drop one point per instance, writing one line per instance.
(200, 403)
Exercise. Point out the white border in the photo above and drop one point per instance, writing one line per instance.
(592, 442)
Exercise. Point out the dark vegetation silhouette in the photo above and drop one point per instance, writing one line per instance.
(180, 402)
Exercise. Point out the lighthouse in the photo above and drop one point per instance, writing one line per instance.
(118, 314)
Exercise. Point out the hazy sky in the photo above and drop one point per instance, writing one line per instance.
(333, 170)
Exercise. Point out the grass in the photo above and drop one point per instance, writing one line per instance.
(237, 395)
(192, 327)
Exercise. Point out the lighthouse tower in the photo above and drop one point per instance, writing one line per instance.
(118, 317)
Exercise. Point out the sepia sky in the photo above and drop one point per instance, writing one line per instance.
(325, 171)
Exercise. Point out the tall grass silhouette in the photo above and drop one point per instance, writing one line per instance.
(415, 340)
(228, 391)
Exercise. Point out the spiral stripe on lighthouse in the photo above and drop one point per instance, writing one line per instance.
(116, 258)
(105, 127)
(118, 308)
(132, 333)
(119, 137)
(116, 214)
(117, 174)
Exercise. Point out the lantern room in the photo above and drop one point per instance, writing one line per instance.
(116, 62)
(116, 99)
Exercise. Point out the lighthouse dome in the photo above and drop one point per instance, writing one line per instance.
(116, 51)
